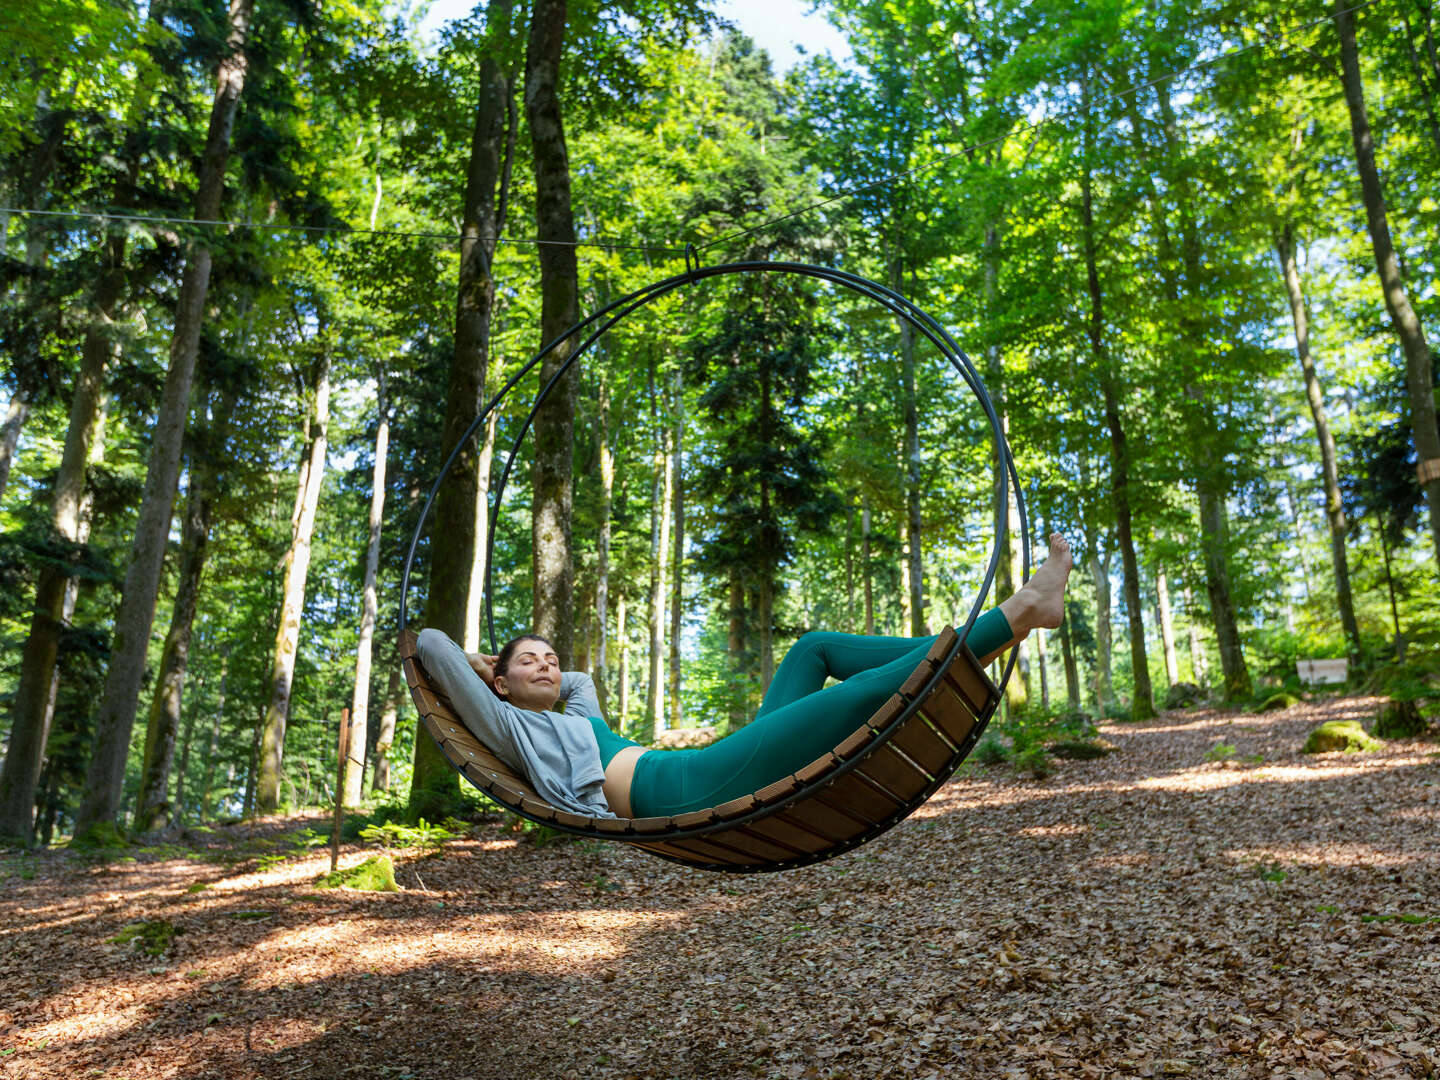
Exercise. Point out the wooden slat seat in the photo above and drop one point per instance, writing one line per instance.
(872, 780)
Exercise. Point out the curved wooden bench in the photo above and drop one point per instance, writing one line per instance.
(869, 783)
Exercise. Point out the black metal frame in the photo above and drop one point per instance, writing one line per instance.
(606, 318)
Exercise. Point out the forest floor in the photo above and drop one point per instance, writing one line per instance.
(1154, 913)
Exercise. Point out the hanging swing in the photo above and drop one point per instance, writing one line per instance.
(871, 781)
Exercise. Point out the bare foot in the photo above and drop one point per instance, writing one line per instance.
(1041, 603)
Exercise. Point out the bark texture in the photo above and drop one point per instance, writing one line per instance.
(1334, 508)
(152, 809)
(292, 603)
(458, 508)
(553, 571)
(1419, 375)
(360, 698)
(116, 716)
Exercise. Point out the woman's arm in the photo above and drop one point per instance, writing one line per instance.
(577, 689)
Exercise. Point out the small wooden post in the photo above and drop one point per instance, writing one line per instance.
(340, 757)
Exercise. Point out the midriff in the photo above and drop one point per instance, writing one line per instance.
(618, 776)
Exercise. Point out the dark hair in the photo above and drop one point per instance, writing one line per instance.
(507, 653)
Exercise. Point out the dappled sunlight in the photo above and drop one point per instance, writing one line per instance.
(491, 943)
(1152, 875)
(1330, 854)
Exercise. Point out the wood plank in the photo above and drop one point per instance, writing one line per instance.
(414, 674)
(895, 774)
(538, 807)
(652, 825)
(736, 807)
(815, 815)
(859, 798)
(973, 685)
(697, 818)
(406, 642)
(753, 842)
(949, 712)
(912, 686)
(855, 745)
(778, 791)
(696, 850)
(817, 768)
(792, 834)
(923, 744)
(887, 712)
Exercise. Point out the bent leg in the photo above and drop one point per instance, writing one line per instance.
(785, 738)
(823, 654)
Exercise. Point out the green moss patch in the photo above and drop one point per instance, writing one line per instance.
(375, 874)
(1400, 720)
(1346, 735)
(151, 938)
(1276, 702)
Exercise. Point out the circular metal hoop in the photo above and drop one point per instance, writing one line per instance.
(597, 324)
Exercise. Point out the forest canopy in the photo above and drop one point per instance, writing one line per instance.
(261, 263)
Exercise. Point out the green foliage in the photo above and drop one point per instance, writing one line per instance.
(392, 834)
(990, 750)
(1221, 751)
(375, 874)
(153, 937)
(1080, 749)
(1035, 762)
(1345, 735)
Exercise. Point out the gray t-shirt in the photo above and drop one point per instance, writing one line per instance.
(555, 751)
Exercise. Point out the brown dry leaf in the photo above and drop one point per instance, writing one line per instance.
(1151, 913)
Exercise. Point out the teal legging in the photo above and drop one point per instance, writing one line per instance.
(797, 722)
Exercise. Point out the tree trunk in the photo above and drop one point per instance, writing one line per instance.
(16, 410)
(914, 556)
(866, 570)
(385, 737)
(1334, 509)
(1100, 570)
(1167, 626)
(360, 699)
(292, 603)
(559, 289)
(1198, 668)
(622, 691)
(434, 785)
(151, 805)
(1214, 531)
(659, 547)
(1419, 374)
(1142, 704)
(212, 748)
(606, 457)
(476, 635)
(1008, 574)
(35, 692)
(677, 592)
(1067, 654)
(735, 647)
(116, 716)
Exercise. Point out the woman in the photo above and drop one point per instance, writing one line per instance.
(577, 763)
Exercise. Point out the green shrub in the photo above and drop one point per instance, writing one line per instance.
(393, 834)
(1036, 762)
(990, 751)
(1081, 749)
(1182, 695)
(1346, 735)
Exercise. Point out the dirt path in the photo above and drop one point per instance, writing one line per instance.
(1151, 914)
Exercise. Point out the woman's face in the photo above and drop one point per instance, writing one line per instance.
(532, 679)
